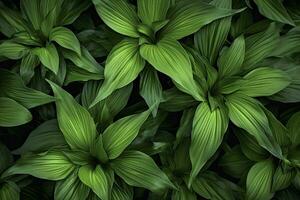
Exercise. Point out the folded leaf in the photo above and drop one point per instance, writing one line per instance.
(121, 191)
(31, 9)
(48, 56)
(209, 39)
(119, 74)
(150, 11)
(187, 17)
(170, 58)
(71, 11)
(12, 86)
(293, 126)
(51, 165)
(9, 191)
(150, 88)
(96, 179)
(139, 170)
(44, 137)
(264, 81)
(183, 194)
(28, 64)
(65, 38)
(14, 19)
(209, 127)
(71, 188)
(12, 50)
(259, 180)
(13, 113)
(74, 121)
(274, 10)
(282, 178)
(118, 15)
(246, 113)
(231, 60)
(122, 132)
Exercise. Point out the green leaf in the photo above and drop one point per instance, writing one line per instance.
(264, 81)
(231, 60)
(282, 178)
(84, 61)
(96, 179)
(274, 10)
(9, 191)
(187, 17)
(44, 137)
(48, 56)
(51, 165)
(28, 64)
(65, 38)
(260, 46)
(74, 121)
(209, 127)
(246, 113)
(12, 86)
(150, 88)
(122, 132)
(12, 50)
(71, 188)
(293, 126)
(209, 39)
(183, 194)
(31, 9)
(13, 113)
(118, 15)
(121, 191)
(119, 74)
(6, 158)
(98, 151)
(150, 11)
(14, 19)
(71, 11)
(139, 170)
(259, 180)
(170, 58)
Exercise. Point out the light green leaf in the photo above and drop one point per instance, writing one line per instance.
(118, 15)
(48, 56)
(71, 188)
(139, 170)
(44, 137)
(96, 179)
(9, 191)
(65, 38)
(260, 46)
(259, 181)
(264, 81)
(209, 127)
(119, 74)
(293, 126)
(98, 151)
(51, 165)
(170, 58)
(12, 50)
(122, 132)
(209, 39)
(187, 17)
(150, 11)
(246, 113)
(150, 88)
(12, 86)
(231, 60)
(274, 10)
(13, 113)
(74, 121)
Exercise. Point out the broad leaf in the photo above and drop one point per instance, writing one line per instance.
(209, 127)
(170, 58)
(264, 81)
(293, 126)
(121, 191)
(187, 17)
(71, 11)
(282, 178)
(122, 132)
(48, 56)
(65, 38)
(139, 170)
(274, 9)
(12, 50)
(27, 66)
(246, 113)
(183, 194)
(12, 113)
(259, 180)
(31, 9)
(231, 60)
(74, 121)
(9, 191)
(118, 15)
(51, 165)
(150, 11)
(119, 74)
(71, 188)
(96, 179)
